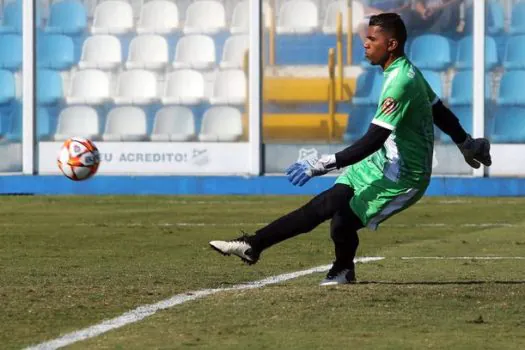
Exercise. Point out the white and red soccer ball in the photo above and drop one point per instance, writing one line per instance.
(78, 159)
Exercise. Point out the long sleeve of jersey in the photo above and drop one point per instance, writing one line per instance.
(448, 122)
(374, 138)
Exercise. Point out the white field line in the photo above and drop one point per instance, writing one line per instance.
(148, 310)
(463, 258)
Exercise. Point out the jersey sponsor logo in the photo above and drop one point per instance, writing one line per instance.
(389, 106)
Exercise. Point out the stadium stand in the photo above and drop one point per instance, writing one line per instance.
(178, 60)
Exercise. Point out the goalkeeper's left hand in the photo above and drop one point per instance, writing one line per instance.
(476, 151)
(302, 171)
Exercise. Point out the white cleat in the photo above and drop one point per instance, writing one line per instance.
(239, 247)
(345, 276)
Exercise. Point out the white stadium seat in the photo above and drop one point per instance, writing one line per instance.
(185, 87)
(229, 87)
(90, 86)
(205, 17)
(126, 124)
(240, 23)
(330, 19)
(148, 51)
(298, 17)
(158, 17)
(112, 17)
(102, 52)
(174, 123)
(221, 123)
(81, 121)
(234, 50)
(195, 51)
(136, 87)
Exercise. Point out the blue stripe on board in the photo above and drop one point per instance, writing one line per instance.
(218, 185)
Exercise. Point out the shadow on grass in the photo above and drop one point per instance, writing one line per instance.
(442, 282)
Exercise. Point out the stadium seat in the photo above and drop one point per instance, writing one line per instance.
(229, 87)
(67, 17)
(430, 51)
(7, 87)
(173, 123)
(43, 124)
(358, 122)
(136, 87)
(461, 90)
(81, 121)
(368, 88)
(510, 89)
(517, 22)
(126, 124)
(12, 17)
(465, 53)
(101, 52)
(494, 18)
(221, 123)
(149, 51)
(14, 129)
(90, 86)
(112, 17)
(434, 80)
(514, 56)
(330, 18)
(158, 17)
(49, 87)
(185, 86)
(234, 49)
(195, 51)
(205, 17)
(508, 125)
(240, 23)
(11, 52)
(297, 17)
(55, 51)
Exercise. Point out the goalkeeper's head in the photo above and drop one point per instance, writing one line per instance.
(385, 38)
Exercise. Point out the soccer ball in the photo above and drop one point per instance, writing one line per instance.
(78, 159)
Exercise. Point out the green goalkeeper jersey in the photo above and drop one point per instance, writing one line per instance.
(405, 107)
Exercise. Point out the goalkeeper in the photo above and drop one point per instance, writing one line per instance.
(388, 169)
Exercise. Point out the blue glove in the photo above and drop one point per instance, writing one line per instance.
(302, 171)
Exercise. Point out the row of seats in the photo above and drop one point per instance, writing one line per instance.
(293, 16)
(369, 85)
(129, 123)
(137, 87)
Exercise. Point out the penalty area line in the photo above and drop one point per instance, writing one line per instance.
(145, 311)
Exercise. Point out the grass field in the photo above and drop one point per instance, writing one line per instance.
(71, 262)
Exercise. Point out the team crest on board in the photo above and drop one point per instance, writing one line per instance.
(389, 105)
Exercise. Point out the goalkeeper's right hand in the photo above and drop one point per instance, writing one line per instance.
(476, 151)
(302, 171)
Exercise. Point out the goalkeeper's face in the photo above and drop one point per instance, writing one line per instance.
(379, 44)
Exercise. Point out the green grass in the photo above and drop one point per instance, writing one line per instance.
(70, 262)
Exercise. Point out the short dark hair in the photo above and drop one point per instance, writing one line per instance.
(393, 24)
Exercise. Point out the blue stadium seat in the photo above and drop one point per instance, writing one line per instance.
(10, 52)
(494, 18)
(464, 114)
(12, 17)
(7, 87)
(461, 91)
(511, 89)
(517, 22)
(514, 57)
(14, 124)
(49, 87)
(368, 88)
(430, 51)
(55, 52)
(358, 122)
(67, 17)
(465, 53)
(508, 125)
(434, 80)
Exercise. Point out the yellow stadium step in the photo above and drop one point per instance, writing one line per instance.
(294, 90)
(303, 127)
